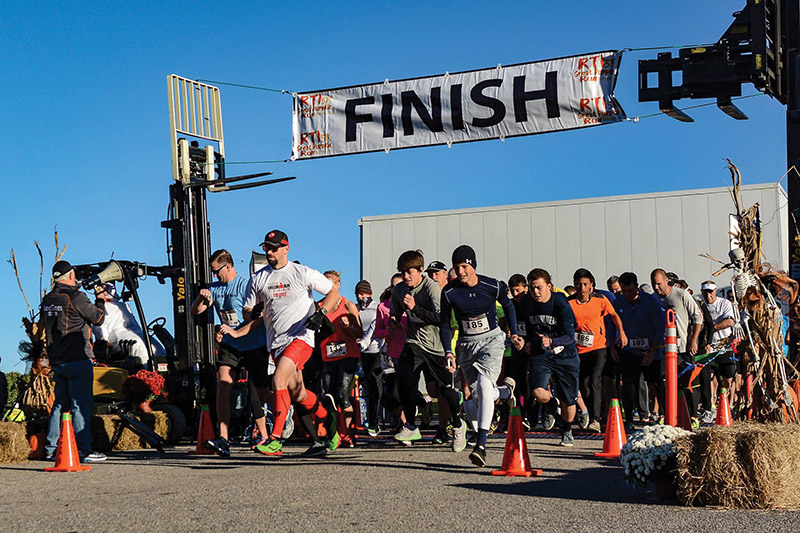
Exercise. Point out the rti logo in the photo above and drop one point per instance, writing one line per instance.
(597, 110)
(593, 68)
(314, 104)
(313, 141)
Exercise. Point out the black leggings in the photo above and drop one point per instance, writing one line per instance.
(632, 369)
(337, 376)
(591, 380)
(373, 385)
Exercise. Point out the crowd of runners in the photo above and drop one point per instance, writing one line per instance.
(475, 344)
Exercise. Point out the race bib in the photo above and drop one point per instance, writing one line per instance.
(336, 350)
(473, 326)
(229, 318)
(639, 343)
(522, 329)
(584, 338)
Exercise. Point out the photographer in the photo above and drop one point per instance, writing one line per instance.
(67, 314)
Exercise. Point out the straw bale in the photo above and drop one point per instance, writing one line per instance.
(14, 445)
(747, 465)
(108, 433)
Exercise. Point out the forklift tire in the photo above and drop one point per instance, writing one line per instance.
(176, 422)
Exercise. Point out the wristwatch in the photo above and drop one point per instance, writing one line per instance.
(323, 310)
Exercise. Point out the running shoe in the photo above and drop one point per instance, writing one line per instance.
(373, 431)
(594, 426)
(549, 421)
(526, 424)
(511, 384)
(220, 446)
(346, 441)
(288, 426)
(567, 439)
(441, 436)
(460, 438)
(273, 447)
(317, 449)
(478, 456)
(330, 422)
(707, 418)
(582, 419)
(94, 457)
(407, 434)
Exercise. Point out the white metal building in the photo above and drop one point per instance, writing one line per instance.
(607, 235)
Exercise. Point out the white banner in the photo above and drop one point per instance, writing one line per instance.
(495, 103)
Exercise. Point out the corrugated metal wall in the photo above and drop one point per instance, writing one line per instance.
(606, 235)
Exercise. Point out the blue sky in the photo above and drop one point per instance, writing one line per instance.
(85, 139)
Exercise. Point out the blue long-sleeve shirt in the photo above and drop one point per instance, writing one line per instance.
(553, 318)
(644, 322)
(474, 308)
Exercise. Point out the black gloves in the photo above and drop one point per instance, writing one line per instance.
(316, 321)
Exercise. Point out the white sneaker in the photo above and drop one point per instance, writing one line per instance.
(288, 426)
(460, 438)
(94, 457)
(511, 384)
(407, 435)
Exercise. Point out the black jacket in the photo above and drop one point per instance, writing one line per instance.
(68, 314)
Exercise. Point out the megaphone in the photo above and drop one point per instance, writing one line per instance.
(113, 272)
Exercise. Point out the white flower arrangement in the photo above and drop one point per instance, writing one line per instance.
(648, 452)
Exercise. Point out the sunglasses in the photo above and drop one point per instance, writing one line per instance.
(217, 271)
(271, 247)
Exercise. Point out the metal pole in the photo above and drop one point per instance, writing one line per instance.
(671, 340)
(792, 74)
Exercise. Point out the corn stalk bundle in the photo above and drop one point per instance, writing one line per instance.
(758, 288)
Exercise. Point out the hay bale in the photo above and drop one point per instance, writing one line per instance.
(108, 433)
(747, 465)
(14, 446)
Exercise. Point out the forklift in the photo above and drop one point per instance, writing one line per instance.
(188, 362)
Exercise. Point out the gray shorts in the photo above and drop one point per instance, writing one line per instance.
(481, 354)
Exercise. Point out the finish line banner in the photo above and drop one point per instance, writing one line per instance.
(495, 103)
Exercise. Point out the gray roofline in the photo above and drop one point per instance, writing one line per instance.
(578, 201)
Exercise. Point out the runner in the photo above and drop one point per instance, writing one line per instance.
(518, 363)
(227, 296)
(394, 337)
(481, 342)
(551, 340)
(721, 310)
(419, 297)
(370, 346)
(590, 309)
(644, 321)
(290, 319)
(340, 357)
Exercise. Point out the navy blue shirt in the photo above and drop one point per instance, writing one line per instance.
(644, 322)
(474, 308)
(553, 318)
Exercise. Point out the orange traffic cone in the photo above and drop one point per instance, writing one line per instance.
(67, 458)
(205, 431)
(615, 432)
(684, 422)
(723, 410)
(515, 458)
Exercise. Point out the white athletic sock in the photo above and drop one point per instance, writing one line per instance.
(471, 410)
(487, 394)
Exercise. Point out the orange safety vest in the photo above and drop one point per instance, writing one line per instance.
(341, 344)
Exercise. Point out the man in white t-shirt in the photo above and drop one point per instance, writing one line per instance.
(291, 318)
(721, 311)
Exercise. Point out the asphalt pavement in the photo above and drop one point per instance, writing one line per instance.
(377, 486)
